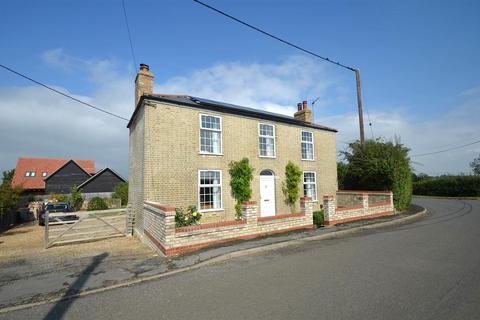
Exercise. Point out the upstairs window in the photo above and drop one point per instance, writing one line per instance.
(307, 145)
(27, 174)
(266, 140)
(210, 134)
(310, 185)
(32, 174)
(210, 190)
(44, 174)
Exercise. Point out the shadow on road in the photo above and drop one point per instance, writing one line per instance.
(61, 307)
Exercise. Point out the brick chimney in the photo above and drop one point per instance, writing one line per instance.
(304, 113)
(143, 82)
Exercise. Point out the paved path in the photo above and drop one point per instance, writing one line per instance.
(429, 269)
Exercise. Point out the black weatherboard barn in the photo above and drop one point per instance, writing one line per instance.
(67, 176)
(104, 180)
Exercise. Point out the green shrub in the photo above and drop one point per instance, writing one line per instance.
(59, 197)
(448, 186)
(121, 192)
(290, 188)
(9, 197)
(241, 173)
(380, 166)
(97, 203)
(191, 217)
(318, 218)
(76, 198)
(342, 169)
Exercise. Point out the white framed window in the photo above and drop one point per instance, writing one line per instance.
(32, 174)
(210, 190)
(44, 174)
(307, 146)
(266, 140)
(310, 184)
(27, 174)
(210, 134)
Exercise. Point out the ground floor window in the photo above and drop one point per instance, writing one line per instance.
(310, 185)
(210, 189)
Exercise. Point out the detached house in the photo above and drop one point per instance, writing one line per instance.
(181, 147)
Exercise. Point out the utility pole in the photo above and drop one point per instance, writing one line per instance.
(360, 111)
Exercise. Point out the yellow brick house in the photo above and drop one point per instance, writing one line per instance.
(180, 148)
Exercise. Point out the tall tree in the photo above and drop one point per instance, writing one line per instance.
(475, 165)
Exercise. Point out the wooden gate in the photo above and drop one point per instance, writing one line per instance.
(91, 225)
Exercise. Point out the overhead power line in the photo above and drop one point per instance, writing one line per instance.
(446, 150)
(129, 35)
(63, 94)
(268, 34)
(288, 43)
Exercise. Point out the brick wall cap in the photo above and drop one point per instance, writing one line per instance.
(162, 207)
(249, 203)
(364, 191)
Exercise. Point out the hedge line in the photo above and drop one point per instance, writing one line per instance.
(448, 186)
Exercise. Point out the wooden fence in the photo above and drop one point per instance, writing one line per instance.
(91, 225)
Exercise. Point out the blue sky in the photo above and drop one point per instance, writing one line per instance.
(419, 62)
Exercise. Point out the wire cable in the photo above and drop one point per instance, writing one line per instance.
(63, 94)
(129, 35)
(274, 37)
(450, 149)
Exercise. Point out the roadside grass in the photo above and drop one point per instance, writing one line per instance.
(443, 197)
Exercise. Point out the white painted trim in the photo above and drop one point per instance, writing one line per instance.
(198, 191)
(313, 145)
(303, 184)
(274, 140)
(216, 130)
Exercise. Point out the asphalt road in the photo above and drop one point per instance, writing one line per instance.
(428, 269)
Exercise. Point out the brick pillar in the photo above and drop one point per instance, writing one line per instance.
(365, 203)
(249, 212)
(329, 208)
(306, 206)
(169, 225)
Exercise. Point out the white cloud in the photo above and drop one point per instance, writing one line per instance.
(36, 122)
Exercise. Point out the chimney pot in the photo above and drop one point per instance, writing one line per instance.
(299, 106)
(305, 104)
(144, 66)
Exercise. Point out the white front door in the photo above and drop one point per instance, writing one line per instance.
(267, 195)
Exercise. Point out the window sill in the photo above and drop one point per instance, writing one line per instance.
(211, 210)
(268, 157)
(210, 154)
(308, 159)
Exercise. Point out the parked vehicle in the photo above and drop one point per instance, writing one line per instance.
(60, 210)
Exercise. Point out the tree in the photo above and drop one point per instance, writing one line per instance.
(9, 196)
(241, 175)
(342, 169)
(380, 165)
(475, 165)
(76, 197)
(290, 188)
(121, 192)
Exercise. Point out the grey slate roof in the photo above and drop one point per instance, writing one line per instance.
(212, 105)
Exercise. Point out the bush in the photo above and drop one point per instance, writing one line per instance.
(76, 198)
(448, 186)
(318, 218)
(380, 166)
(241, 173)
(184, 219)
(97, 203)
(59, 197)
(290, 189)
(9, 197)
(121, 192)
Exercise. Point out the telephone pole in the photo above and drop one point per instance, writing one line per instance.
(360, 111)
